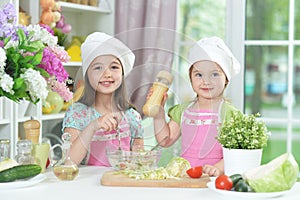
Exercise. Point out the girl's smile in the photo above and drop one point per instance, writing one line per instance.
(106, 83)
(206, 89)
(105, 74)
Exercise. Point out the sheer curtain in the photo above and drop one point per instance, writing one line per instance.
(148, 27)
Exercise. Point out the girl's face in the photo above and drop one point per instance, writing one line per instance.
(208, 79)
(105, 74)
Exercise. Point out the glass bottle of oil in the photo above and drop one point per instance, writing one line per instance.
(65, 168)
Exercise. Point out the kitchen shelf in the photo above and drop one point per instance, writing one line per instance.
(72, 64)
(4, 121)
(23, 119)
(73, 7)
(53, 116)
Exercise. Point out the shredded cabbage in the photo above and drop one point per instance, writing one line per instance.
(176, 168)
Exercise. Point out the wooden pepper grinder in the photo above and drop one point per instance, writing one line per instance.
(32, 130)
(160, 86)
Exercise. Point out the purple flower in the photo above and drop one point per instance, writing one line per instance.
(8, 22)
(10, 12)
(9, 31)
(53, 65)
(3, 19)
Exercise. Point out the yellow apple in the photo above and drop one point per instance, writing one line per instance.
(46, 107)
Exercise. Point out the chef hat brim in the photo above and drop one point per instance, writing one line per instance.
(214, 49)
(98, 43)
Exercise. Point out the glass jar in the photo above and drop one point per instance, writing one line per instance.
(24, 156)
(4, 149)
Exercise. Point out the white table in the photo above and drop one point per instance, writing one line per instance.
(87, 187)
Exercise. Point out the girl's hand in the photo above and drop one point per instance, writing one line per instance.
(212, 170)
(163, 102)
(109, 121)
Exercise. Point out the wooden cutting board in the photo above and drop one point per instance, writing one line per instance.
(109, 178)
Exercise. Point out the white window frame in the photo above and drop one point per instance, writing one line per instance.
(235, 33)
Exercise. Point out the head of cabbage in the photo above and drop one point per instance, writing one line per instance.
(279, 174)
(177, 167)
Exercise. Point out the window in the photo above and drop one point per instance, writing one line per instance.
(196, 19)
(272, 69)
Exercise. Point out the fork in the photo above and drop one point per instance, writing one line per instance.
(118, 132)
(119, 138)
(158, 144)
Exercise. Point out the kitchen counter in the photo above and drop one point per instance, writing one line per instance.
(87, 186)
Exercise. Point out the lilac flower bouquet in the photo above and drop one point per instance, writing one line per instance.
(30, 60)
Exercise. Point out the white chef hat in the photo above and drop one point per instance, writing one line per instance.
(214, 49)
(98, 43)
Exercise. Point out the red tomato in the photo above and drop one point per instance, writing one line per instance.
(195, 172)
(48, 163)
(223, 182)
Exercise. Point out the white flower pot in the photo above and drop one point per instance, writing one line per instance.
(237, 161)
(22, 108)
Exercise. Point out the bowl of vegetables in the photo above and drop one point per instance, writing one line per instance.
(143, 158)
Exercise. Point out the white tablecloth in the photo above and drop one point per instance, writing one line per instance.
(87, 187)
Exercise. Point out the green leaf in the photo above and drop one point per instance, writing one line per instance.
(6, 40)
(21, 90)
(19, 82)
(15, 58)
(28, 65)
(26, 59)
(43, 72)
(38, 45)
(28, 48)
(37, 59)
(21, 35)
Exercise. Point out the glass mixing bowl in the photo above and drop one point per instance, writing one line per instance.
(143, 159)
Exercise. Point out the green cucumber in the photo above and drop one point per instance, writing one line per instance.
(241, 186)
(20, 172)
(235, 178)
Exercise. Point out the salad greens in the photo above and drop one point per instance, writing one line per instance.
(176, 168)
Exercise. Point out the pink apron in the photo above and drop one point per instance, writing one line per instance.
(199, 130)
(103, 140)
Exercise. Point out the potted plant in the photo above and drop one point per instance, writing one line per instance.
(242, 137)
